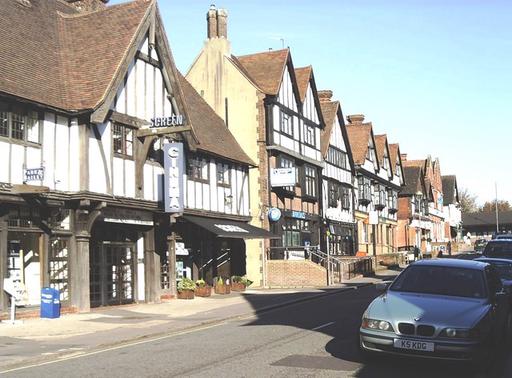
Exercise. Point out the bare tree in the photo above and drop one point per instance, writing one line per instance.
(467, 201)
(490, 206)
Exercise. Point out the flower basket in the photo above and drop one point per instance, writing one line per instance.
(222, 289)
(240, 283)
(237, 286)
(186, 294)
(203, 291)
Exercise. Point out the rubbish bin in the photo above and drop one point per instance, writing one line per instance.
(50, 303)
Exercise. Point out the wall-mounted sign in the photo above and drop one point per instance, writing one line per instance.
(274, 214)
(174, 161)
(373, 217)
(125, 216)
(298, 214)
(230, 228)
(33, 174)
(174, 120)
(283, 176)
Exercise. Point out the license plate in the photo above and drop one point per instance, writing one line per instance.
(414, 345)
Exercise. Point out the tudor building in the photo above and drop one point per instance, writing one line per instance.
(81, 188)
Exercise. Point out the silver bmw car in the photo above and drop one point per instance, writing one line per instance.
(446, 309)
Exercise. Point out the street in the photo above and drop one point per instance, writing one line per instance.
(317, 337)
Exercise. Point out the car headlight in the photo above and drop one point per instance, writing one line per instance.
(377, 325)
(458, 333)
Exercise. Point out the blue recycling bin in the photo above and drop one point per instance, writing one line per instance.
(50, 303)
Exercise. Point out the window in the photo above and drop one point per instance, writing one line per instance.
(345, 198)
(19, 124)
(286, 123)
(365, 233)
(333, 194)
(122, 140)
(371, 153)
(223, 175)
(385, 163)
(392, 199)
(198, 169)
(292, 230)
(364, 189)
(309, 181)
(337, 157)
(285, 162)
(309, 135)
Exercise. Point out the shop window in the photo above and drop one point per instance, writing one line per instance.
(223, 175)
(58, 266)
(122, 140)
(286, 123)
(198, 169)
(309, 135)
(309, 181)
(19, 124)
(293, 230)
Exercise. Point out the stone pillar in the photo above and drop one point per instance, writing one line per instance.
(151, 268)
(4, 300)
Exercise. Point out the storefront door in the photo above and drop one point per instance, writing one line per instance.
(111, 274)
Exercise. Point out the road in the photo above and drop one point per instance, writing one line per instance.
(315, 338)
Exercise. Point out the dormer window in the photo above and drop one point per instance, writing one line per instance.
(19, 124)
(122, 140)
(371, 153)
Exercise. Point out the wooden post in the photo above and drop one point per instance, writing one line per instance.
(171, 242)
(151, 268)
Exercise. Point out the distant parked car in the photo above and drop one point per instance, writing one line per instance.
(503, 236)
(503, 267)
(498, 248)
(446, 309)
(480, 245)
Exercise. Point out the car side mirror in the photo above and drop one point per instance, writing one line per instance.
(382, 286)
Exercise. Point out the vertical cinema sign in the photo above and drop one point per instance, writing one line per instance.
(173, 177)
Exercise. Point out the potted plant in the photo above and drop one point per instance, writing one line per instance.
(239, 283)
(203, 289)
(221, 286)
(186, 288)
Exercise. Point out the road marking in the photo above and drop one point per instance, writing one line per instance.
(82, 354)
(322, 326)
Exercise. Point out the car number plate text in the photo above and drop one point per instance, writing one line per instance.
(414, 345)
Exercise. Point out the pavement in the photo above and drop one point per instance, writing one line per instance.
(35, 340)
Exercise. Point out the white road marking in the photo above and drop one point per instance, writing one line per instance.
(83, 354)
(322, 326)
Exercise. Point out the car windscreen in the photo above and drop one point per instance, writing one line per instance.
(503, 268)
(441, 280)
(501, 249)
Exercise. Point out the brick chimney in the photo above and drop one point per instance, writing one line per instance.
(217, 22)
(355, 119)
(403, 157)
(88, 5)
(325, 95)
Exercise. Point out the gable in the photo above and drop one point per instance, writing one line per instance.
(309, 108)
(287, 93)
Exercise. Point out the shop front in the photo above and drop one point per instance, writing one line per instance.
(340, 237)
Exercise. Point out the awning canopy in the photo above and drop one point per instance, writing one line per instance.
(230, 229)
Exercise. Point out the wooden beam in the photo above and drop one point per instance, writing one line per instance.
(162, 131)
(29, 189)
(125, 119)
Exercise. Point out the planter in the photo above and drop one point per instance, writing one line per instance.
(222, 289)
(186, 294)
(237, 286)
(204, 291)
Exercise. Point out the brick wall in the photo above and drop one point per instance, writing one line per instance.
(295, 273)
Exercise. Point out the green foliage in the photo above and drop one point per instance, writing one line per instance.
(200, 283)
(243, 280)
(236, 279)
(219, 281)
(186, 284)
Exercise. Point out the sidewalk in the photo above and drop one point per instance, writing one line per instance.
(39, 339)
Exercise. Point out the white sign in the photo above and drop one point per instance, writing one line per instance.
(127, 216)
(230, 228)
(296, 255)
(181, 250)
(16, 289)
(283, 176)
(173, 177)
(33, 174)
(373, 217)
(174, 120)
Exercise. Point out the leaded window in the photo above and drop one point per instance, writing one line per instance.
(337, 157)
(198, 169)
(122, 140)
(309, 181)
(309, 135)
(223, 174)
(286, 123)
(345, 198)
(19, 124)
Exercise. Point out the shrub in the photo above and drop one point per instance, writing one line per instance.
(200, 283)
(186, 284)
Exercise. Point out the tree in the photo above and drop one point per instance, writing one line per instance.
(490, 206)
(467, 201)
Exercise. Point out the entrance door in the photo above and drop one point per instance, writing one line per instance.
(112, 279)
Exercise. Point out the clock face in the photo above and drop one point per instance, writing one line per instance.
(274, 214)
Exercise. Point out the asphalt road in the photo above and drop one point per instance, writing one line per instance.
(316, 338)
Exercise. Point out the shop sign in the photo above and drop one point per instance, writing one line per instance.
(181, 250)
(373, 217)
(174, 160)
(283, 177)
(296, 255)
(298, 214)
(174, 120)
(274, 214)
(16, 289)
(127, 216)
(230, 228)
(33, 174)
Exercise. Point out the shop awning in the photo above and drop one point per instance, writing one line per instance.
(230, 229)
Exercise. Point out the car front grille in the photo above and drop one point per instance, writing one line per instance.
(425, 330)
(406, 328)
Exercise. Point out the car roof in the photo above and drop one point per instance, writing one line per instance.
(503, 240)
(503, 236)
(452, 263)
(493, 259)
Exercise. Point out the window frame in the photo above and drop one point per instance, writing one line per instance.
(309, 135)
(337, 157)
(309, 182)
(288, 130)
(26, 118)
(124, 132)
(191, 161)
(224, 183)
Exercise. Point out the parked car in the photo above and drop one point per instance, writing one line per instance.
(503, 267)
(498, 248)
(503, 236)
(445, 309)
(480, 245)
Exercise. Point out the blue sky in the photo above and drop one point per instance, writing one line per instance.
(436, 76)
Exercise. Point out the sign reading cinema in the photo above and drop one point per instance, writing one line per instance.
(173, 188)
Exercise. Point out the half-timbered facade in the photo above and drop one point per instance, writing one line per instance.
(81, 146)
(337, 181)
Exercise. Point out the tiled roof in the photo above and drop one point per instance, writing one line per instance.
(329, 112)
(302, 75)
(449, 193)
(266, 69)
(394, 152)
(486, 219)
(414, 163)
(412, 177)
(380, 146)
(64, 59)
(213, 134)
(359, 135)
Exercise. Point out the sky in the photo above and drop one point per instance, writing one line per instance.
(434, 75)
